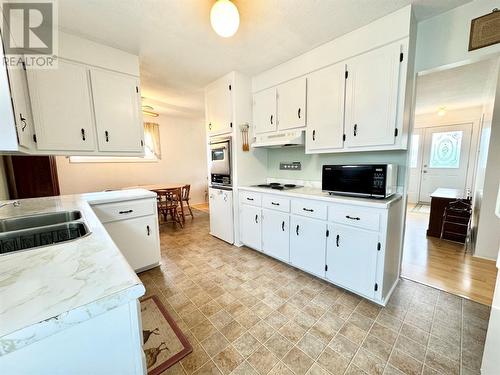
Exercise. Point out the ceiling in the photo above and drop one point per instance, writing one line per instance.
(180, 54)
(461, 87)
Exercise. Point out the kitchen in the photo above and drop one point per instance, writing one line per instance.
(307, 185)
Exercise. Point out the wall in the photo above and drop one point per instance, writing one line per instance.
(312, 164)
(444, 39)
(183, 161)
(4, 194)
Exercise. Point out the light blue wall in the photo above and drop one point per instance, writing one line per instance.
(312, 164)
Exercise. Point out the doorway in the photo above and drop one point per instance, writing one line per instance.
(444, 152)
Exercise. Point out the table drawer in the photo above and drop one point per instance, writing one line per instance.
(309, 208)
(250, 197)
(107, 212)
(275, 202)
(355, 216)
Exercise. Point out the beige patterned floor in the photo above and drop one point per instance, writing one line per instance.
(245, 313)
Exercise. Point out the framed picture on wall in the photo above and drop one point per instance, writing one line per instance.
(485, 30)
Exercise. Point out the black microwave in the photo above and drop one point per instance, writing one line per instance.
(360, 180)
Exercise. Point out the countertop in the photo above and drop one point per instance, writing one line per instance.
(447, 193)
(318, 194)
(51, 288)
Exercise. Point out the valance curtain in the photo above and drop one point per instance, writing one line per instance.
(152, 139)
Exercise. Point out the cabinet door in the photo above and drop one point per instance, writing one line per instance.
(292, 104)
(221, 214)
(352, 258)
(308, 244)
(137, 239)
(276, 234)
(250, 226)
(372, 97)
(117, 111)
(62, 107)
(325, 109)
(220, 107)
(264, 111)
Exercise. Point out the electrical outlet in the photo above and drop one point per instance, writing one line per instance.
(290, 166)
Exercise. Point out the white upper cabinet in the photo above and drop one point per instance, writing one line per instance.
(352, 258)
(219, 107)
(62, 107)
(372, 97)
(117, 111)
(325, 109)
(292, 104)
(264, 111)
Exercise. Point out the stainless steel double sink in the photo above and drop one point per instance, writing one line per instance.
(27, 232)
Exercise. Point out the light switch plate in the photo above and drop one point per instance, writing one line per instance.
(290, 166)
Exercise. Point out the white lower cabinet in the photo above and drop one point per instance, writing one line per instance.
(276, 234)
(308, 244)
(351, 258)
(250, 226)
(221, 214)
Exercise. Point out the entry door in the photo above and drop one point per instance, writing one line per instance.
(445, 159)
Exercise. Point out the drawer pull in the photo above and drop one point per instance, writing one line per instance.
(249, 199)
(148, 229)
(308, 209)
(352, 218)
(338, 239)
(283, 226)
(257, 219)
(126, 212)
(275, 204)
(297, 230)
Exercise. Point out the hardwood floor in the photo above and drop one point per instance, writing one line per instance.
(443, 264)
(201, 206)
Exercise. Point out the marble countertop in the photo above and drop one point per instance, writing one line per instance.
(318, 194)
(50, 288)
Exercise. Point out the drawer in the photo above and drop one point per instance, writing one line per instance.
(107, 212)
(275, 202)
(309, 208)
(250, 197)
(355, 216)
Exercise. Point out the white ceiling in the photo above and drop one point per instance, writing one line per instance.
(461, 87)
(180, 53)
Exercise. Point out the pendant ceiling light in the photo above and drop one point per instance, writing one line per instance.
(224, 18)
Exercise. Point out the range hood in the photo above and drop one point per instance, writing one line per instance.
(287, 138)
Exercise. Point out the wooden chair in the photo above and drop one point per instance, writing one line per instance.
(168, 202)
(185, 199)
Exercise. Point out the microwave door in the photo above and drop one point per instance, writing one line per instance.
(352, 180)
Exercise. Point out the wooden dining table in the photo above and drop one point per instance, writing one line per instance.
(158, 187)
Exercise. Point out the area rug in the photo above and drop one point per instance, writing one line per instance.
(164, 343)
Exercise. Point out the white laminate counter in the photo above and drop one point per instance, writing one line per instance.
(318, 194)
(48, 289)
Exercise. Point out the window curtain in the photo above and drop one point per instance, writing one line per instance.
(152, 139)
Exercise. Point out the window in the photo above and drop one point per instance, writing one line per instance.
(445, 149)
(152, 151)
(415, 143)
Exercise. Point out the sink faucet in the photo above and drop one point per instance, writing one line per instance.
(13, 203)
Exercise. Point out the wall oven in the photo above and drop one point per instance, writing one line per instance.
(220, 162)
(361, 180)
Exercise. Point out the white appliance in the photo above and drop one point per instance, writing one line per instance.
(221, 213)
(289, 138)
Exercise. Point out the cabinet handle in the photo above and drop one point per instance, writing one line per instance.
(283, 226)
(275, 204)
(298, 112)
(83, 134)
(23, 120)
(209, 126)
(352, 218)
(126, 212)
(355, 129)
(297, 230)
(257, 219)
(148, 230)
(106, 134)
(338, 239)
(271, 119)
(308, 209)
(249, 199)
(314, 135)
